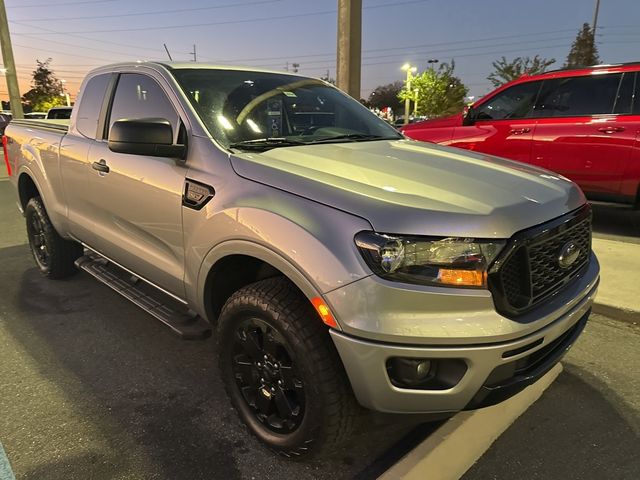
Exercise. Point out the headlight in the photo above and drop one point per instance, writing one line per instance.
(427, 261)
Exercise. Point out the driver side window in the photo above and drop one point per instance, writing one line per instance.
(140, 96)
(514, 102)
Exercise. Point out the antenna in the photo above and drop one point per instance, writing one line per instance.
(168, 54)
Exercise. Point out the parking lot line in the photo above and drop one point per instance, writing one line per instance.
(452, 449)
(5, 468)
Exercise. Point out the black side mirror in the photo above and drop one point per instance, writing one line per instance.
(145, 136)
(468, 116)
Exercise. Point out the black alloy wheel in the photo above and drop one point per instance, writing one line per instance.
(267, 377)
(38, 241)
(54, 255)
(282, 372)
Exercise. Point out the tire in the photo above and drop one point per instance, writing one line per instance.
(272, 317)
(53, 254)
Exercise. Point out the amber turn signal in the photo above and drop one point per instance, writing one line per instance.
(324, 312)
(473, 278)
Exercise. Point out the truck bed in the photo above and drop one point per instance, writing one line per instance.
(61, 126)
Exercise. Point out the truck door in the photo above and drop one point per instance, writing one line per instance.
(137, 203)
(502, 125)
(584, 129)
(75, 169)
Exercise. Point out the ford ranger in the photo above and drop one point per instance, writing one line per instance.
(338, 264)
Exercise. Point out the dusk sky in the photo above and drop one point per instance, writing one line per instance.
(81, 34)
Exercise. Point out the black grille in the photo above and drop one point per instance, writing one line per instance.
(529, 270)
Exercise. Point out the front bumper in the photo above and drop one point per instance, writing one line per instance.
(494, 371)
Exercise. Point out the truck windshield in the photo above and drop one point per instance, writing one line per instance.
(259, 110)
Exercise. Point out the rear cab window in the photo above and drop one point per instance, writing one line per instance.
(91, 104)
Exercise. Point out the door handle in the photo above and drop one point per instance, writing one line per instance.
(101, 166)
(519, 131)
(611, 129)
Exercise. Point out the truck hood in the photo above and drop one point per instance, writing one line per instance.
(408, 187)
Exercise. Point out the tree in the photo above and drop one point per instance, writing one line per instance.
(439, 91)
(505, 71)
(584, 52)
(387, 96)
(47, 90)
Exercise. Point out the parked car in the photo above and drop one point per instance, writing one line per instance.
(581, 123)
(35, 115)
(59, 113)
(5, 118)
(337, 262)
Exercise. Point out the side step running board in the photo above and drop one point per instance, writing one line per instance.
(186, 323)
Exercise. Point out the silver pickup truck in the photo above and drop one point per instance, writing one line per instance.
(339, 264)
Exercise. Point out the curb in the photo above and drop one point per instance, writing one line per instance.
(454, 447)
(617, 313)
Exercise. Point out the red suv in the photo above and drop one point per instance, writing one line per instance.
(583, 124)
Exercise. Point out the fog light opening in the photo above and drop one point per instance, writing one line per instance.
(409, 372)
(425, 373)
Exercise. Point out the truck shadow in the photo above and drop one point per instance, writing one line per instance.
(153, 403)
(579, 429)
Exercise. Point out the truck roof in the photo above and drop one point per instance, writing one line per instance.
(188, 65)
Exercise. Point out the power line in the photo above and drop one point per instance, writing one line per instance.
(246, 20)
(61, 4)
(155, 50)
(159, 12)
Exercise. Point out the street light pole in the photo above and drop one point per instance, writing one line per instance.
(407, 100)
(9, 64)
(65, 93)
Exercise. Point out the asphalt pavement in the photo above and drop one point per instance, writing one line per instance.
(91, 387)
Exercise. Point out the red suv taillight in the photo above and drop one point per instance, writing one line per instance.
(6, 154)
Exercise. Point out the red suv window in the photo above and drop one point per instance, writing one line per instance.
(578, 96)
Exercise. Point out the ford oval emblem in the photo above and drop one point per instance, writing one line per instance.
(568, 254)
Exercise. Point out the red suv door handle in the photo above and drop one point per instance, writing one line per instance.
(611, 129)
(519, 131)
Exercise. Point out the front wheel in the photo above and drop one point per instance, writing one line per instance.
(54, 255)
(281, 370)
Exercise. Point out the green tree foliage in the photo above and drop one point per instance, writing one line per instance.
(439, 91)
(505, 71)
(387, 96)
(583, 50)
(46, 91)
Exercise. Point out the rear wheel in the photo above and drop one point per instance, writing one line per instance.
(54, 255)
(281, 370)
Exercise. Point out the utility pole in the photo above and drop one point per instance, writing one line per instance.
(195, 57)
(9, 64)
(594, 24)
(349, 56)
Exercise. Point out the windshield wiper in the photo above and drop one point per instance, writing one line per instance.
(266, 143)
(355, 137)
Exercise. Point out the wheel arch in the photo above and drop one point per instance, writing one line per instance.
(27, 189)
(234, 264)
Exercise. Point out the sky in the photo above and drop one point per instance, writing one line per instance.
(79, 35)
